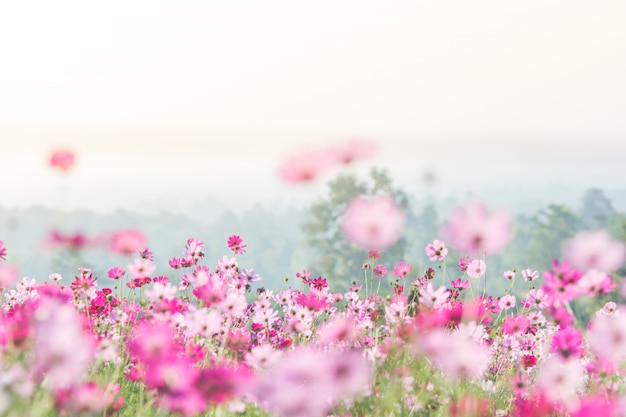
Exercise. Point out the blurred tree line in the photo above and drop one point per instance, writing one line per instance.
(333, 256)
(283, 240)
(538, 237)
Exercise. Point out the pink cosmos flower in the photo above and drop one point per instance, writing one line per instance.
(476, 268)
(3, 251)
(432, 298)
(145, 253)
(153, 341)
(62, 159)
(537, 298)
(341, 329)
(530, 275)
(429, 274)
(595, 250)
(608, 309)
(515, 324)
(507, 302)
(141, 268)
(234, 305)
(127, 241)
(463, 263)
(380, 271)
(460, 285)
(138, 282)
(55, 277)
(355, 149)
(402, 270)
(528, 361)
(307, 165)
(262, 356)
(236, 245)
(116, 273)
(510, 345)
(436, 251)
(509, 275)
(595, 282)
(372, 254)
(212, 291)
(161, 291)
(474, 231)
(313, 301)
(227, 266)
(84, 284)
(561, 283)
(568, 342)
(561, 316)
(374, 222)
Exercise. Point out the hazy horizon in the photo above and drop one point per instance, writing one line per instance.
(208, 98)
(124, 167)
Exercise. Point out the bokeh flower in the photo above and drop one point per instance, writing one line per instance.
(307, 165)
(62, 159)
(354, 149)
(474, 231)
(374, 222)
(127, 241)
(595, 250)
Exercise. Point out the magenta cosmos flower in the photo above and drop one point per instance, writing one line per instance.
(62, 159)
(474, 231)
(373, 222)
(235, 243)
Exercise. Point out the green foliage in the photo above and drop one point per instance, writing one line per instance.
(596, 209)
(539, 238)
(335, 258)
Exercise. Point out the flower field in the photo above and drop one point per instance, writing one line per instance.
(209, 339)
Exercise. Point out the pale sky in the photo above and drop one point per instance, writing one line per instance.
(154, 94)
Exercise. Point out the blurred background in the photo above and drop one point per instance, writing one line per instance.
(181, 113)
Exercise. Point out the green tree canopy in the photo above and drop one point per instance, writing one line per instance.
(335, 258)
